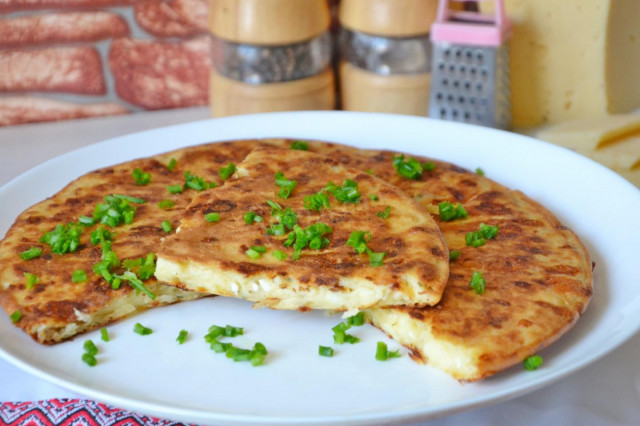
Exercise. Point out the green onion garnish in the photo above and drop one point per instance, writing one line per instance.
(64, 238)
(172, 164)
(369, 171)
(141, 329)
(115, 210)
(100, 235)
(356, 320)
(532, 362)
(477, 282)
(174, 189)
(385, 213)
(478, 238)
(86, 220)
(300, 145)
(104, 334)
(166, 204)
(195, 182)
(227, 171)
(32, 279)
(286, 185)
(340, 335)
(454, 254)
(15, 316)
(212, 217)
(140, 177)
(358, 240)
(428, 166)
(129, 198)
(411, 168)
(32, 253)
(182, 336)
(136, 283)
(287, 218)
(280, 255)
(90, 348)
(253, 254)
(374, 197)
(313, 236)
(251, 217)
(449, 212)
(78, 276)
(232, 331)
(325, 351)
(479, 171)
(488, 231)
(89, 359)
(383, 353)
(166, 226)
(347, 193)
(317, 201)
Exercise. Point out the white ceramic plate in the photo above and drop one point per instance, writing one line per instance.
(154, 375)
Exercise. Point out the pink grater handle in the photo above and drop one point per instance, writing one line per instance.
(471, 28)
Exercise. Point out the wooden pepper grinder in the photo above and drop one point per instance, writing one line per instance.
(270, 55)
(385, 55)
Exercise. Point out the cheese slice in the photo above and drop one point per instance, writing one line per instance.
(572, 59)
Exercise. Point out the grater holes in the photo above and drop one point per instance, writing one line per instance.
(461, 100)
(439, 96)
(450, 98)
(480, 58)
(456, 83)
(445, 82)
(479, 87)
(452, 68)
(441, 66)
(462, 69)
(443, 113)
(447, 53)
(467, 85)
(454, 113)
(467, 116)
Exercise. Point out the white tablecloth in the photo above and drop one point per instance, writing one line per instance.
(604, 393)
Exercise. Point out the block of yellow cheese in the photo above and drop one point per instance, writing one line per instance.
(611, 140)
(572, 59)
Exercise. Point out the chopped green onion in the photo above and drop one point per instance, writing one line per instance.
(134, 200)
(89, 359)
(449, 212)
(212, 217)
(358, 240)
(144, 267)
(136, 283)
(174, 189)
(100, 235)
(182, 336)
(347, 193)
(280, 255)
(428, 166)
(479, 171)
(231, 331)
(325, 351)
(32, 279)
(195, 182)
(385, 213)
(259, 249)
(356, 320)
(15, 316)
(313, 236)
(141, 329)
(32, 253)
(166, 204)
(532, 362)
(166, 226)
(300, 145)
(369, 171)
(251, 217)
(475, 239)
(383, 353)
(488, 231)
(90, 347)
(376, 259)
(140, 177)
(286, 185)
(477, 282)
(78, 276)
(252, 253)
(411, 168)
(317, 201)
(86, 220)
(256, 359)
(227, 171)
(104, 334)
(64, 238)
(116, 209)
(172, 164)
(373, 197)
(340, 335)
(287, 218)
(260, 348)
(454, 254)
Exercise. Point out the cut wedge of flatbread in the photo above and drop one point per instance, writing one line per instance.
(538, 274)
(233, 258)
(52, 307)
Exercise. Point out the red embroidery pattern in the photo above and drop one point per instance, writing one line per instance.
(73, 412)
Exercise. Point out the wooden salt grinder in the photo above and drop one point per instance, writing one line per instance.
(270, 55)
(371, 81)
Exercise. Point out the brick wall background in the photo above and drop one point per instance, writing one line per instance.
(62, 59)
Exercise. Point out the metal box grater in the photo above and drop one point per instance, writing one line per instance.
(470, 67)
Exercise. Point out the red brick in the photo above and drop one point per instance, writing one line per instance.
(160, 74)
(173, 18)
(56, 69)
(61, 28)
(24, 109)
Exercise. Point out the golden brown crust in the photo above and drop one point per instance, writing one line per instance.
(50, 309)
(538, 273)
(416, 262)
